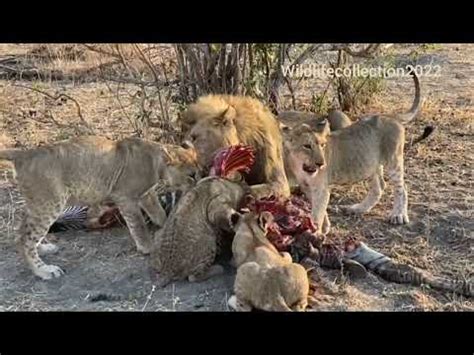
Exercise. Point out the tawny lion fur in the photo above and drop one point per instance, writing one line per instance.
(91, 170)
(266, 279)
(217, 121)
(319, 159)
(186, 246)
(336, 118)
(250, 242)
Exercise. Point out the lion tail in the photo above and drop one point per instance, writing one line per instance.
(406, 117)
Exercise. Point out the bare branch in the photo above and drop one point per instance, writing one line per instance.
(310, 50)
(147, 62)
(101, 51)
(78, 107)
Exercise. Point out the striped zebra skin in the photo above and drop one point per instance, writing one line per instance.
(75, 217)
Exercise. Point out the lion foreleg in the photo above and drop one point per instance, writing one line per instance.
(399, 213)
(150, 203)
(319, 204)
(278, 185)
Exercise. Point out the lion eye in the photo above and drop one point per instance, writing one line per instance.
(307, 146)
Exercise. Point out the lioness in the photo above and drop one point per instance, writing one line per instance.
(321, 158)
(217, 121)
(266, 279)
(91, 170)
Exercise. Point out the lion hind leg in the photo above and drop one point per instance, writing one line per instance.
(238, 304)
(38, 219)
(280, 305)
(212, 271)
(377, 185)
(300, 306)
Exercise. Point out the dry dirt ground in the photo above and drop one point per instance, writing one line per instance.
(104, 272)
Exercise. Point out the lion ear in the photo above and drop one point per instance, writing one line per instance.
(227, 117)
(284, 128)
(168, 158)
(187, 144)
(319, 126)
(265, 219)
(234, 219)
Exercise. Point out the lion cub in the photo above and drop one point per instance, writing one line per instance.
(250, 242)
(321, 158)
(91, 170)
(186, 246)
(266, 279)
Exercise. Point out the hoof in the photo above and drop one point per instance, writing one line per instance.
(355, 269)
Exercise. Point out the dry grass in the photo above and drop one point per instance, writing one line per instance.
(438, 171)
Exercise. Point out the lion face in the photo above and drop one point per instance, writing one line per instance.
(306, 148)
(209, 126)
(183, 168)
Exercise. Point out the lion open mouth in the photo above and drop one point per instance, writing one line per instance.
(310, 169)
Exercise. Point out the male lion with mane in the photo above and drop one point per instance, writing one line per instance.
(218, 121)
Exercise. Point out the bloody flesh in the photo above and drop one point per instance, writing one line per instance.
(236, 158)
(292, 216)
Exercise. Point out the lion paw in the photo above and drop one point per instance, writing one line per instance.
(48, 272)
(238, 306)
(232, 302)
(399, 218)
(326, 227)
(354, 209)
(145, 250)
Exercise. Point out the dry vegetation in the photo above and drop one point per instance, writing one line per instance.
(53, 92)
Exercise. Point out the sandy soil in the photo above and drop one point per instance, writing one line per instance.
(104, 272)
